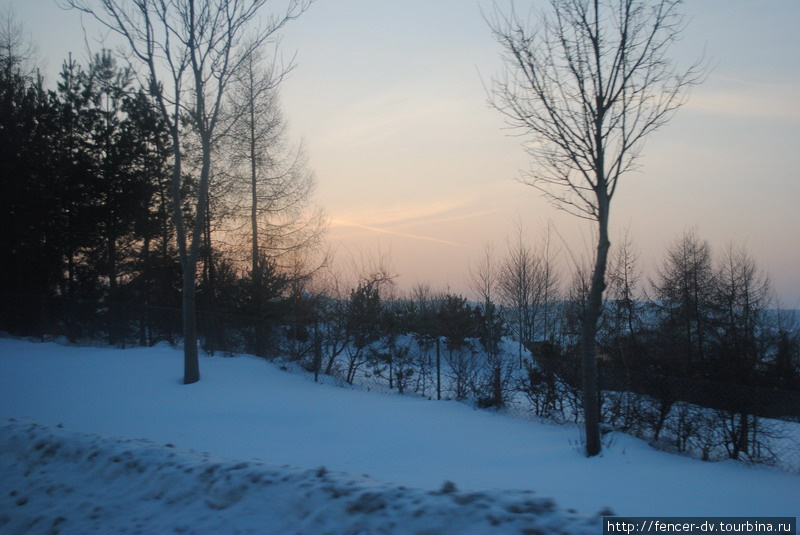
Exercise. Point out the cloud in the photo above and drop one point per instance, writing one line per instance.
(420, 215)
(443, 218)
(392, 115)
(381, 230)
(748, 99)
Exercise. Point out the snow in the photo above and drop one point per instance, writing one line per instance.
(267, 432)
(82, 483)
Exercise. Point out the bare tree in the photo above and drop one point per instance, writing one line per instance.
(520, 281)
(271, 174)
(586, 85)
(624, 276)
(483, 276)
(17, 50)
(349, 304)
(484, 280)
(333, 314)
(190, 51)
(550, 283)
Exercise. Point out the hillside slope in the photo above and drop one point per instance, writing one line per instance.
(246, 408)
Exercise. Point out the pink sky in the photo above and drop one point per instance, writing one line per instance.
(389, 98)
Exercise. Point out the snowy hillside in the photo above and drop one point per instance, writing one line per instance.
(246, 408)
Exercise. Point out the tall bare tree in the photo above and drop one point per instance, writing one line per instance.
(624, 277)
(190, 51)
(483, 281)
(550, 284)
(271, 173)
(519, 283)
(586, 84)
(17, 51)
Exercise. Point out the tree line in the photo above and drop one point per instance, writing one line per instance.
(98, 200)
(701, 315)
(169, 183)
(698, 357)
(88, 216)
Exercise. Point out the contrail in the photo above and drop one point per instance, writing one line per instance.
(339, 222)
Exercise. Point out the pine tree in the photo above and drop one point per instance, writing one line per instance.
(29, 203)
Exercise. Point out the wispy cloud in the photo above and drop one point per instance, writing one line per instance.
(746, 98)
(442, 218)
(422, 216)
(394, 114)
(426, 212)
(382, 230)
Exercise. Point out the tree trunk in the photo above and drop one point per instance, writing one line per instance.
(212, 331)
(251, 133)
(113, 303)
(144, 316)
(497, 387)
(258, 305)
(191, 363)
(317, 351)
(594, 306)
(438, 370)
(188, 256)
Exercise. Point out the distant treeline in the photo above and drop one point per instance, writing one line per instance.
(86, 217)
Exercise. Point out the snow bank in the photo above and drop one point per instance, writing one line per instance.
(60, 481)
(247, 408)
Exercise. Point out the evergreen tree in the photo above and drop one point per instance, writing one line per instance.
(683, 291)
(29, 203)
(74, 169)
(741, 337)
(155, 263)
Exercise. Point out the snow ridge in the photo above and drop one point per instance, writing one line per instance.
(65, 482)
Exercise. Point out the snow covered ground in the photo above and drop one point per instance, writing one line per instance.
(313, 443)
(67, 482)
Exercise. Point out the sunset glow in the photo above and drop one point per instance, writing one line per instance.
(390, 100)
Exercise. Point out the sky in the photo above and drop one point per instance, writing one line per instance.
(412, 165)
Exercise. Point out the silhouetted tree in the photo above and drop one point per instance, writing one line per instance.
(587, 85)
(190, 51)
(30, 223)
(363, 317)
(683, 290)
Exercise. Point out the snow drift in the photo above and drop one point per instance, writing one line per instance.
(60, 481)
